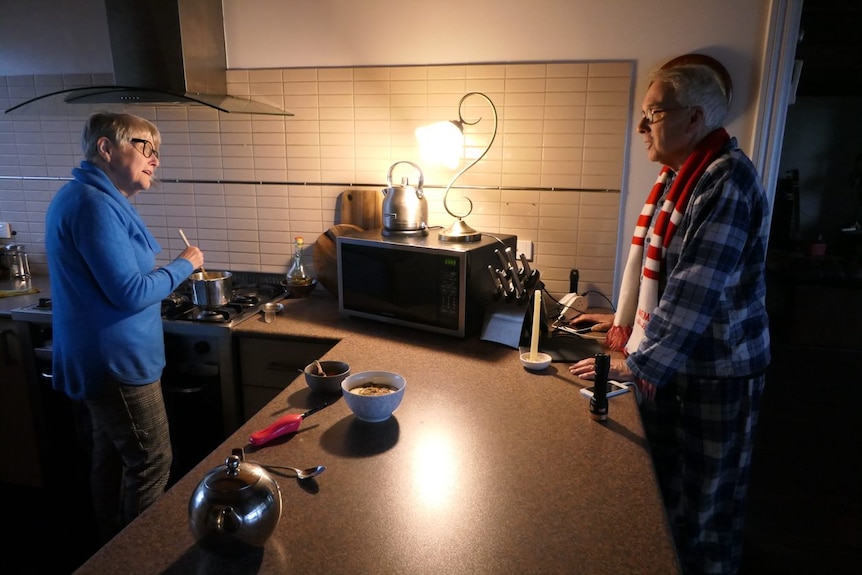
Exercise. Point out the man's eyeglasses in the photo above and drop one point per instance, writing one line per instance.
(146, 148)
(657, 114)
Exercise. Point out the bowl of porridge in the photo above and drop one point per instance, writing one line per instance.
(372, 396)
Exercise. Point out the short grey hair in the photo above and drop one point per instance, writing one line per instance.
(119, 128)
(699, 86)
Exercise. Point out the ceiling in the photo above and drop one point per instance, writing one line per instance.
(831, 49)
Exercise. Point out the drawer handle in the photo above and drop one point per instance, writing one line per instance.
(198, 369)
(184, 390)
(280, 367)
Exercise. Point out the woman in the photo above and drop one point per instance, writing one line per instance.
(106, 291)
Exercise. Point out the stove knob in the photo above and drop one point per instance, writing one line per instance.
(201, 347)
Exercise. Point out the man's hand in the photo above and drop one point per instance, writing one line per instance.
(586, 369)
(601, 321)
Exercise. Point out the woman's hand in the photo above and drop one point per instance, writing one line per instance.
(603, 321)
(586, 369)
(194, 255)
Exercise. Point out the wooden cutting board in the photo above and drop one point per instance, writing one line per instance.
(325, 258)
(363, 208)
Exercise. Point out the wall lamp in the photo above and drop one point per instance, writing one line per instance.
(443, 134)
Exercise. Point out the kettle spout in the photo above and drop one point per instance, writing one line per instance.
(228, 521)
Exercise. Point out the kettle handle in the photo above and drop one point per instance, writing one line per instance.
(418, 169)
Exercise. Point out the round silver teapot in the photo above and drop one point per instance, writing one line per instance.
(405, 208)
(236, 501)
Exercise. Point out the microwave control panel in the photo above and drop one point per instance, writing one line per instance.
(449, 291)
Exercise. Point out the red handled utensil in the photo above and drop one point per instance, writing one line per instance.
(282, 426)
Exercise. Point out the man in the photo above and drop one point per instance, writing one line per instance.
(691, 318)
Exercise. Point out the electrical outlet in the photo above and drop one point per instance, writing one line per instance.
(5, 231)
(526, 247)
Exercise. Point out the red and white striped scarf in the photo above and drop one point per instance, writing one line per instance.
(639, 288)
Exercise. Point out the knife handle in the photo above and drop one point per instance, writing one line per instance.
(281, 426)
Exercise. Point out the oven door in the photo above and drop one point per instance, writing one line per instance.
(191, 385)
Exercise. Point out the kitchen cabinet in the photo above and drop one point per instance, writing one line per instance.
(17, 434)
(268, 365)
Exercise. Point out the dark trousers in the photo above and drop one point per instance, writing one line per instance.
(701, 433)
(131, 452)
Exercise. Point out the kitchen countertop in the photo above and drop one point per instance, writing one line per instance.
(484, 468)
(8, 303)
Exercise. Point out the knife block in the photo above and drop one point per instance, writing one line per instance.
(511, 322)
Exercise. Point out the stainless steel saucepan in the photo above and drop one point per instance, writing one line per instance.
(211, 289)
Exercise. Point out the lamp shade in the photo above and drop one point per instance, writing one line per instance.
(441, 143)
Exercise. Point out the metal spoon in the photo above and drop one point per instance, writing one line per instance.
(301, 473)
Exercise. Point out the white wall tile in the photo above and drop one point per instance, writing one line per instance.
(563, 126)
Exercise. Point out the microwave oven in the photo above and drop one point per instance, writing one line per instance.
(418, 281)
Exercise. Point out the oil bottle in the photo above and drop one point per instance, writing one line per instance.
(299, 283)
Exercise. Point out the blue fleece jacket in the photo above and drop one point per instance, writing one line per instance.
(105, 289)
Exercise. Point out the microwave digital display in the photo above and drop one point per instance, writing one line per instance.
(417, 282)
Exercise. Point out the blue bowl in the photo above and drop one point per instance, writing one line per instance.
(373, 408)
(335, 372)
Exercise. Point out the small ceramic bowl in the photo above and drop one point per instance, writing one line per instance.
(303, 290)
(373, 408)
(335, 372)
(542, 361)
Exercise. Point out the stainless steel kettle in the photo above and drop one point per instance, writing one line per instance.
(237, 501)
(14, 263)
(405, 208)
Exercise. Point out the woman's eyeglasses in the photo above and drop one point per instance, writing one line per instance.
(655, 115)
(146, 148)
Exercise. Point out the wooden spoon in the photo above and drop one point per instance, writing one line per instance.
(319, 368)
(188, 245)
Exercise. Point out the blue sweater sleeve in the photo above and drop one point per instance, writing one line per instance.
(115, 250)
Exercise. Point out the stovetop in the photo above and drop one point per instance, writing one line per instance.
(250, 291)
(180, 315)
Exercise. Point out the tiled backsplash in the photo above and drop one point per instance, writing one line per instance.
(243, 186)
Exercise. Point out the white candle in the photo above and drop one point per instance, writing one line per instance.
(537, 325)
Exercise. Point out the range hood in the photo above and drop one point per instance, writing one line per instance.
(164, 52)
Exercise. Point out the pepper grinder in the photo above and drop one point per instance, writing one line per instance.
(599, 401)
